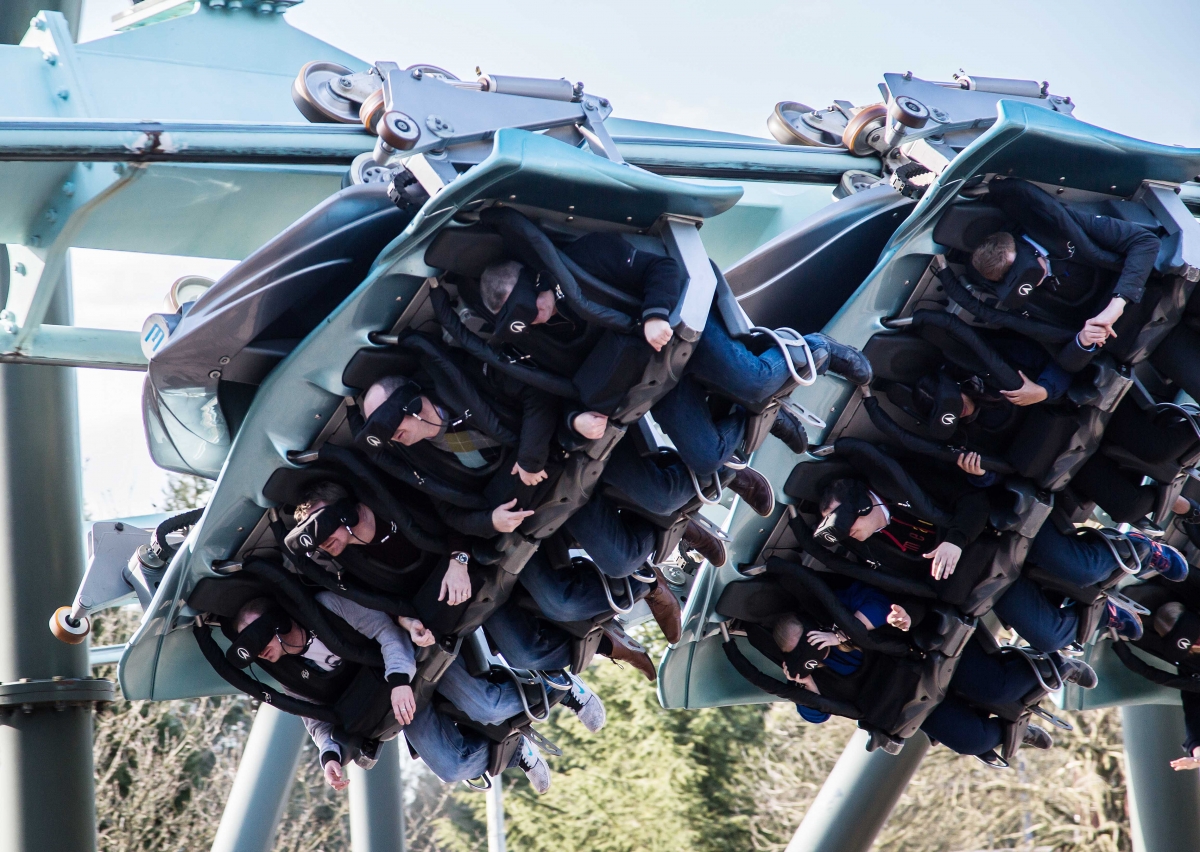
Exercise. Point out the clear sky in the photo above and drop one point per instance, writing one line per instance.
(1129, 66)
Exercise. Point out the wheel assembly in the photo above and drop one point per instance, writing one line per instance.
(370, 111)
(864, 129)
(364, 169)
(398, 130)
(794, 123)
(315, 93)
(67, 629)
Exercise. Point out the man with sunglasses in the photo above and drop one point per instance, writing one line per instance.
(1054, 264)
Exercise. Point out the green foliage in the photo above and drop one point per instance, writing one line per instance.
(184, 492)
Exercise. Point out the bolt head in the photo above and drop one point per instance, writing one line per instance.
(63, 94)
(214, 374)
(223, 360)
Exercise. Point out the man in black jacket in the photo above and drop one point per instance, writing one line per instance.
(1056, 264)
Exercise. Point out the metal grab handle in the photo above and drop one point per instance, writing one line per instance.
(612, 604)
(700, 491)
(785, 347)
(521, 683)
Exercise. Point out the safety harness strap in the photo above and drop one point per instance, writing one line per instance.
(885, 582)
(923, 446)
(795, 577)
(535, 249)
(242, 682)
(889, 479)
(789, 692)
(478, 348)
(1000, 371)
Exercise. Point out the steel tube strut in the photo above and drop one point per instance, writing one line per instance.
(377, 803)
(1164, 805)
(858, 796)
(47, 799)
(263, 783)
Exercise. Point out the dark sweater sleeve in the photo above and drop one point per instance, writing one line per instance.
(970, 517)
(539, 418)
(1138, 246)
(1191, 720)
(471, 522)
(656, 279)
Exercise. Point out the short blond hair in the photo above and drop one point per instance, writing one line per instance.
(995, 255)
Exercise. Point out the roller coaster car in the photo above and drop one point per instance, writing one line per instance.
(900, 314)
(353, 271)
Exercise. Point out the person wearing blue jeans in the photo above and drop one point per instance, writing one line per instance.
(1083, 560)
(455, 754)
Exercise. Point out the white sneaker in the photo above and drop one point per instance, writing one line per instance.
(530, 761)
(586, 705)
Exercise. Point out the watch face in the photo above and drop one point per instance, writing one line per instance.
(462, 557)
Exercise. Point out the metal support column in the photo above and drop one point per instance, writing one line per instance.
(1164, 805)
(858, 796)
(47, 798)
(377, 803)
(263, 783)
(495, 816)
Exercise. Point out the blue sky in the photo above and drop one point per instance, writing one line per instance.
(700, 63)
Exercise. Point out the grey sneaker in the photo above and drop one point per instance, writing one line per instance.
(586, 705)
(529, 759)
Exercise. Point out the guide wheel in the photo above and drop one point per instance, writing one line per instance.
(398, 130)
(370, 111)
(64, 631)
(864, 129)
(314, 95)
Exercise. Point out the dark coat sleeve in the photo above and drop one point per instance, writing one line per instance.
(468, 522)
(968, 506)
(656, 279)
(971, 512)
(1138, 246)
(539, 419)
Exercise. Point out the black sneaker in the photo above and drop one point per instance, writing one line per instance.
(788, 428)
(1078, 672)
(1036, 737)
(846, 361)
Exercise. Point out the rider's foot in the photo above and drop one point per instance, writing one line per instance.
(846, 361)
(1166, 560)
(664, 606)
(699, 539)
(755, 489)
(788, 428)
(1124, 622)
(1078, 672)
(531, 762)
(586, 705)
(626, 649)
(1036, 737)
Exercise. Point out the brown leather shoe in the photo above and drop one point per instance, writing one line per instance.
(697, 538)
(626, 649)
(755, 489)
(664, 606)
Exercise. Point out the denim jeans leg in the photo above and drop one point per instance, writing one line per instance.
(451, 753)
(992, 678)
(961, 728)
(526, 641)
(564, 595)
(727, 365)
(1077, 559)
(618, 544)
(703, 445)
(1026, 609)
(659, 489)
(485, 702)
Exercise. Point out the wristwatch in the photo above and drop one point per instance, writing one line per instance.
(460, 557)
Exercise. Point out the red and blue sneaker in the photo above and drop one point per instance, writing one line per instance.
(1124, 622)
(1166, 560)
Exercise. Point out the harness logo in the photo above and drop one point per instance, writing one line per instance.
(811, 664)
(948, 419)
(306, 540)
(1184, 644)
(243, 654)
(1025, 289)
(304, 673)
(516, 327)
(373, 440)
